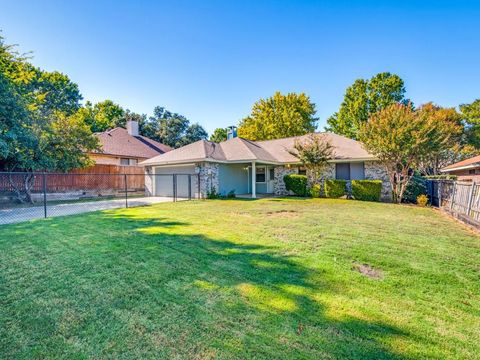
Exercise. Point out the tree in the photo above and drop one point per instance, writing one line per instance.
(103, 115)
(401, 138)
(314, 152)
(173, 129)
(278, 117)
(219, 135)
(448, 121)
(364, 98)
(471, 115)
(41, 129)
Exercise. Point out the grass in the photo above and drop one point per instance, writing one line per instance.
(272, 278)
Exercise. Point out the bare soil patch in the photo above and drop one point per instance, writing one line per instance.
(283, 214)
(368, 271)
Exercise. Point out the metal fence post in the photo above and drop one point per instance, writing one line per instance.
(470, 199)
(44, 195)
(126, 190)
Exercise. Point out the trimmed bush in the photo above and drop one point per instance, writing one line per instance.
(296, 183)
(367, 190)
(316, 191)
(335, 188)
(441, 177)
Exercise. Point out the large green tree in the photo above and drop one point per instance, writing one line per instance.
(219, 135)
(172, 129)
(364, 98)
(40, 129)
(471, 115)
(279, 116)
(103, 115)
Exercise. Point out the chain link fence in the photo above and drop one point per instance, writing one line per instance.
(26, 196)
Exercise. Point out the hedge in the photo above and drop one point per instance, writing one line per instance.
(367, 190)
(335, 188)
(296, 183)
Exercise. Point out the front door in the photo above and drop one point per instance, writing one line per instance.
(271, 179)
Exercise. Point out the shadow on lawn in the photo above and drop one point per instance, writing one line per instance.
(268, 295)
(189, 296)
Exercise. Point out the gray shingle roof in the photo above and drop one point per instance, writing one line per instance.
(269, 151)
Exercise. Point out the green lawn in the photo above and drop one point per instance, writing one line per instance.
(265, 279)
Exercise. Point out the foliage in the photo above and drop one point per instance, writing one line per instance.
(402, 138)
(471, 115)
(422, 200)
(231, 194)
(278, 117)
(42, 130)
(172, 129)
(316, 191)
(219, 135)
(103, 115)
(367, 190)
(314, 151)
(296, 183)
(416, 186)
(364, 98)
(335, 188)
(448, 121)
(213, 194)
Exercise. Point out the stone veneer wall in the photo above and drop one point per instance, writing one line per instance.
(279, 173)
(375, 171)
(208, 173)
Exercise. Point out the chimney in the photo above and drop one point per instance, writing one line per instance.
(132, 127)
(231, 132)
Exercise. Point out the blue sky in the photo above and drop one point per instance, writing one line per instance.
(211, 60)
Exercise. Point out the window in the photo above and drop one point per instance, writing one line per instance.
(342, 171)
(127, 161)
(350, 171)
(302, 171)
(272, 174)
(260, 174)
(471, 172)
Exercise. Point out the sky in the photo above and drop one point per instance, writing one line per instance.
(211, 60)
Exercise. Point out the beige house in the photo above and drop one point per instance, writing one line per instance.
(255, 167)
(126, 147)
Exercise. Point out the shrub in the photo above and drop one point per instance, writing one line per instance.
(422, 200)
(367, 190)
(213, 194)
(316, 190)
(416, 187)
(231, 194)
(335, 188)
(296, 183)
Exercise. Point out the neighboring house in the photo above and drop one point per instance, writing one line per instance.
(468, 169)
(254, 167)
(121, 146)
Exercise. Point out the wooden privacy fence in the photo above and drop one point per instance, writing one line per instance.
(104, 177)
(461, 199)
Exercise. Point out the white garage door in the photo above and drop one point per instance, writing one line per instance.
(164, 180)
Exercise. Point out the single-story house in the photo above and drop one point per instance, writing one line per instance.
(126, 147)
(253, 167)
(468, 169)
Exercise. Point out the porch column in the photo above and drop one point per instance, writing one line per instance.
(254, 178)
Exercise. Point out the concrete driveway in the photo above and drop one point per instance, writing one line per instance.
(15, 215)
